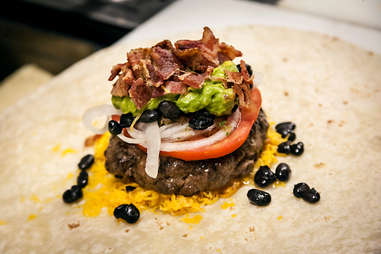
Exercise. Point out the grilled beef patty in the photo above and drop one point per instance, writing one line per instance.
(127, 161)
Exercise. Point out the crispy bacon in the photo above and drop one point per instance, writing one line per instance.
(244, 72)
(200, 54)
(234, 77)
(176, 87)
(165, 62)
(140, 93)
(115, 71)
(164, 68)
(157, 92)
(192, 79)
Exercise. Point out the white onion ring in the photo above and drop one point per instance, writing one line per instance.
(97, 111)
(140, 141)
(233, 121)
(185, 134)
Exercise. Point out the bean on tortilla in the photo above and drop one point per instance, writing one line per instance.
(264, 176)
(288, 126)
(297, 149)
(284, 147)
(282, 172)
(258, 197)
(114, 127)
(300, 188)
(291, 136)
(311, 196)
(126, 212)
(82, 179)
(73, 194)
(86, 162)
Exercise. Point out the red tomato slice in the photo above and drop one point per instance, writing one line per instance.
(230, 143)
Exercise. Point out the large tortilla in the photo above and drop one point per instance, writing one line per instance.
(329, 88)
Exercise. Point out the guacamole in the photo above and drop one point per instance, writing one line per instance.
(212, 96)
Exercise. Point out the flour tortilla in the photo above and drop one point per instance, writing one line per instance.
(329, 88)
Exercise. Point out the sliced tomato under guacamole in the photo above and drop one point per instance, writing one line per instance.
(228, 145)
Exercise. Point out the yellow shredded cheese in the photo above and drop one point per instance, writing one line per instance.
(67, 151)
(2, 222)
(35, 198)
(31, 217)
(106, 191)
(192, 220)
(226, 205)
(56, 148)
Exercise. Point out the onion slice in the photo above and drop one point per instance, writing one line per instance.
(153, 141)
(233, 121)
(101, 110)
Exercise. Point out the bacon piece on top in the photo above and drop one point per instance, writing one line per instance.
(140, 93)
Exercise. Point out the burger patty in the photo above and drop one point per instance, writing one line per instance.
(127, 161)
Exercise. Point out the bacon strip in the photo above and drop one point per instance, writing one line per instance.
(176, 87)
(140, 93)
(164, 68)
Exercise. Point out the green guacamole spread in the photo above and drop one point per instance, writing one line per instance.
(212, 96)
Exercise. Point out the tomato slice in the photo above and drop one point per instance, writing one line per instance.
(230, 143)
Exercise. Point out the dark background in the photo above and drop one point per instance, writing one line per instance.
(56, 34)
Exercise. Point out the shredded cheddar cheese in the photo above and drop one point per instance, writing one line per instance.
(35, 198)
(226, 205)
(192, 220)
(104, 191)
(31, 217)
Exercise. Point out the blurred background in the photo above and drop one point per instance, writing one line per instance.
(41, 38)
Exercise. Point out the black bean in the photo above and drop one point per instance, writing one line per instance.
(169, 110)
(258, 197)
(201, 120)
(82, 179)
(297, 149)
(149, 116)
(300, 188)
(126, 120)
(264, 176)
(284, 147)
(73, 194)
(86, 162)
(290, 126)
(128, 213)
(248, 68)
(114, 127)
(282, 172)
(118, 211)
(291, 136)
(130, 188)
(311, 196)
(283, 132)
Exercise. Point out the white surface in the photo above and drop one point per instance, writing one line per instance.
(185, 15)
(363, 12)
